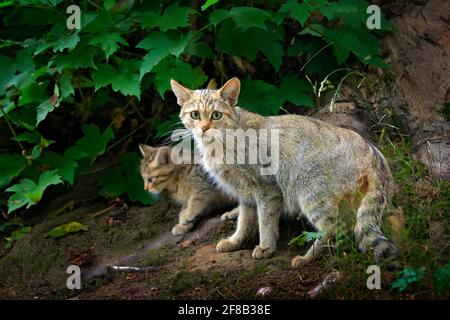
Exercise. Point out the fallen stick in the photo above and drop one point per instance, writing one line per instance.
(133, 269)
(164, 239)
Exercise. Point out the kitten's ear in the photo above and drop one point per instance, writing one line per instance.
(230, 91)
(145, 149)
(183, 94)
(164, 155)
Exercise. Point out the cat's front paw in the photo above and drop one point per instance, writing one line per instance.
(227, 245)
(180, 229)
(298, 261)
(230, 215)
(262, 252)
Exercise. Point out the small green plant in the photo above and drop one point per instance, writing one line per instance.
(408, 276)
(306, 237)
(442, 279)
(17, 235)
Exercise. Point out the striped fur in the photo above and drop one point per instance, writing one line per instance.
(186, 183)
(320, 166)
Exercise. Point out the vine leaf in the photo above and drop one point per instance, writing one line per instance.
(28, 193)
(125, 178)
(124, 80)
(11, 165)
(208, 4)
(243, 17)
(62, 230)
(109, 42)
(172, 18)
(161, 45)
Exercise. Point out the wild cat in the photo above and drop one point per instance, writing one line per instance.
(319, 166)
(186, 183)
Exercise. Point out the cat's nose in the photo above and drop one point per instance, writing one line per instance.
(205, 126)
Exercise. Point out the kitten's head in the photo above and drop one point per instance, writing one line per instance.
(157, 168)
(206, 109)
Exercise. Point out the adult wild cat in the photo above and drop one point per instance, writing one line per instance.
(320, 165)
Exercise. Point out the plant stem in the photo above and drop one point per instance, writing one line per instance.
(5, 116)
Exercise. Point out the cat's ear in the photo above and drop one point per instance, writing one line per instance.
(145, 149)
(164, 155)
(230, 91)
(183, 94)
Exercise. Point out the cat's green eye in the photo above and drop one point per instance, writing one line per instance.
(216, 115)
(195, 115)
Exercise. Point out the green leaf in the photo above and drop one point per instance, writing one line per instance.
(295, 90)
(218, 16)
(208, 4)
(108, 4)
(408, 276)
(126, 178)
(80, 57)
(172, 18)
(91, 145)
(442, 279)
(28, 193)
(171, 68)
(306, 237)
(8, 70)
(66, 42)
(199, 49)
(62, 230)
(247, 17)
(65, 83)
(66, 167)
(109, 42)
(33, 92)
(259, 96)
(43, 110)
(161, 45)
(31, 137)
(11, 165)
(298, 11)
(316, 30)
(243, 17)
(125, 80)
(16, 235)
(247, 44)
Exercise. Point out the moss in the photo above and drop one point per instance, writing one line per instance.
(184, 281)
(156, 257)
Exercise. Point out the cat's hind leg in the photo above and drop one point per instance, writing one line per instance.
(323, 219)
(246, 228)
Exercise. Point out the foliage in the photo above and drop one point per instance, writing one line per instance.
(125, 178)
(306, 237)
(17, 235)
(66, 228)
(442, 279)
(408, 276)
(65, 85)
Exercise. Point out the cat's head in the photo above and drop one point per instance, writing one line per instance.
(157, 168)
(202, 110)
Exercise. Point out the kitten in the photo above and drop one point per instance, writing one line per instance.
(186, 183)
(319, 166)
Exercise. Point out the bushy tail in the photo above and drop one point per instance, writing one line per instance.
(368, 229)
